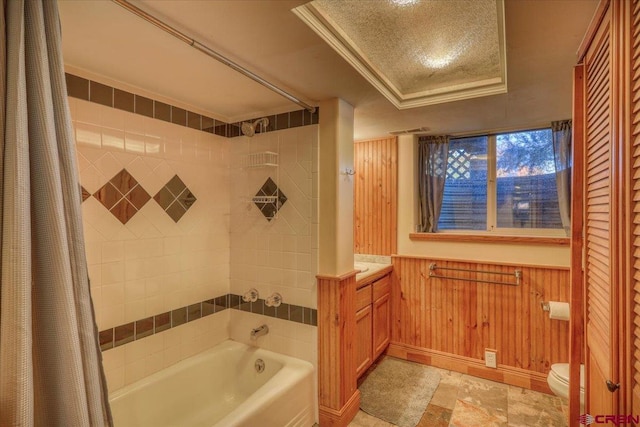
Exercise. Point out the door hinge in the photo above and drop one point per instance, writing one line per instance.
(612, 387)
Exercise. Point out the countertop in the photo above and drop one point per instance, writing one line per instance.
(377, 266)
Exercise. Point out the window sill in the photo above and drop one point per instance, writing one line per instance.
(490, 238)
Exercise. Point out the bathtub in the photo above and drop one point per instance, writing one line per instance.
(221, 387)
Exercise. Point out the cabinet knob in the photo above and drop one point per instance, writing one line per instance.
(612, 387)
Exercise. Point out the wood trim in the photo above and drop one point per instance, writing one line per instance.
(340, 418)
(503, 374)
(470, 261)
(602, 185)
(630, 352)
(576, 323)
(337, 383)
(598, 16)
(619, 142)
(375, 196)
(623, 25)
(491, 238)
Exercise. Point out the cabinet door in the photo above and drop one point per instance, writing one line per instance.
(381, 324)
(364, 353)
(634, 308)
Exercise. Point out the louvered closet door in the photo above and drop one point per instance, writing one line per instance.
(599, 236)
(635, 217)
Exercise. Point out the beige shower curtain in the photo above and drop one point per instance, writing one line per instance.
(50, 363)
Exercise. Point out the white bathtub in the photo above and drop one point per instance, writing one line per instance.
(220, 387)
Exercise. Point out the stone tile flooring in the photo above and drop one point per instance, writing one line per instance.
(465, 401)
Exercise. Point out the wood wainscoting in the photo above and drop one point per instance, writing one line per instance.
(375, 196)
(339, 397)
(449, 323)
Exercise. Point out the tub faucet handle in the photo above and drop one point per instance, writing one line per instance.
(251, 295)
(274, 300)
(259, 331)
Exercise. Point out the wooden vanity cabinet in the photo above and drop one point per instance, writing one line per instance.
(381, 308)
(364, 344)
(373, 322)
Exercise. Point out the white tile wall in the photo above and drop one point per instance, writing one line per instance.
(286, 337)
(222, 244)
(152, 264)
(281, 255)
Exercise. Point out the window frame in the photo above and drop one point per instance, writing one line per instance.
(543, 235)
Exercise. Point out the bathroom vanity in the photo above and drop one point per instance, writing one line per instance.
(373, 317)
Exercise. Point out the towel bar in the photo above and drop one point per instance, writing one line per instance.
(517, 274)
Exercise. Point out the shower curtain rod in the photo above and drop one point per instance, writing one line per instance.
(212, 53)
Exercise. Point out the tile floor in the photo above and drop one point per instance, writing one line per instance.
(465, 401)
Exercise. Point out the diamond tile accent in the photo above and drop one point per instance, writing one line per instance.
(186, 198)
(269, 191)
(123, 181)
(176, 211)
(175, 198)
(164, 198)
(138, 197)
(108, 195)
(85, 193)
(122, 196)
(176, 186)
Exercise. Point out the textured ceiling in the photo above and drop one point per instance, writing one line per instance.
(101, 39)
(417, 52)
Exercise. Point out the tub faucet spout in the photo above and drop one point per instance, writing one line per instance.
(259, 331)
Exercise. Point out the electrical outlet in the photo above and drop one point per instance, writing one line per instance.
(490, 358)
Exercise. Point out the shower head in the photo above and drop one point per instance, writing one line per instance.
(249, 129)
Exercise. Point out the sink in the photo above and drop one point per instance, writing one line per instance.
(361, 267)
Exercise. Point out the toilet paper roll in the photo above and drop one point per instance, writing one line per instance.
(559, 310)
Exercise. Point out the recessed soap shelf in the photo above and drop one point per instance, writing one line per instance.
(262, 159)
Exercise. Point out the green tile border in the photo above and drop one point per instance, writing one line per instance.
(88, 90)
(142, 328)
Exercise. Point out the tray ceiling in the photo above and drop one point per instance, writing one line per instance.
(417, 53)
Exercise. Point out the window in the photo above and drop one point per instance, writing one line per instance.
(464, 204)
(504, 182)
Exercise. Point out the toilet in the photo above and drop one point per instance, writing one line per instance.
(558, 380)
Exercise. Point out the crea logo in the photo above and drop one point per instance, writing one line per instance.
(588, 419)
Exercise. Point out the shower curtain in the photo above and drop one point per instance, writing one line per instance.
(50, 363)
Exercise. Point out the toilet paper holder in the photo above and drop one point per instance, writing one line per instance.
(557, 310)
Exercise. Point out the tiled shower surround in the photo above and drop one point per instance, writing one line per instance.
(164, 233)
(279, 255)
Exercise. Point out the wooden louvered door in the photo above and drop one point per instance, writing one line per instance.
(634, 300)
(600, 234)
